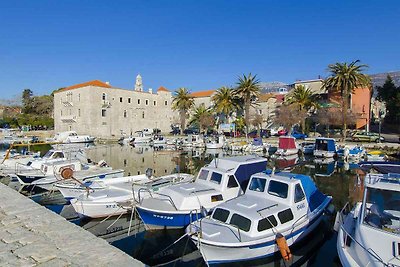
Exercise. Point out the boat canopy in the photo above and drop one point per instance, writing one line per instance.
(287, 142)
(257, 141)
(325, 144)
(381, 167)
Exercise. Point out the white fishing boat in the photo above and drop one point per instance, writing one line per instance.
(141, 137)
(193, 140)
(177, 205)
(325, 147)
(72, 137)
(287, 146)
(257, 146)
(277, 211)
(119, 195)
(376, 155)
(369, 235)
(216, 142)
(159, 140)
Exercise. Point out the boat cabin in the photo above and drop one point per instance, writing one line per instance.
(271, 201)
(325, 147)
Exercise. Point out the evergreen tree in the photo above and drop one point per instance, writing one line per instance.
(390, 94)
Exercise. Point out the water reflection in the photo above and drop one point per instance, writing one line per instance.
(338, 179)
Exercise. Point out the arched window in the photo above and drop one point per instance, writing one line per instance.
(125, 113)
(104, 96)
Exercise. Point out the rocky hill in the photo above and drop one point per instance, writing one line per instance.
(380, 78)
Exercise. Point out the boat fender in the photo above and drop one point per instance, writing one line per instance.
(283, 246)
(66, 173)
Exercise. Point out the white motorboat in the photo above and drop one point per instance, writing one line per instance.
(159, 140)
(119, 195)
(277, 211)
(325, 147)
(217, 142)
(194, 140)
(287, 146)
(177, 205)
(369, 235)
(141, 137)
(72, 137)
(257, 146)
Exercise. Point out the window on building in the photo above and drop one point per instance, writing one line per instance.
(103, 112)
(120, 99)
(154, 103)
(260, 111)
(129, 100)
(70, 112)
(147, 102)
(138, 101)
(61, 112)
(166, 103)
(79, 112)
(104, 96)
(143, 115)
(125, 113)
(79, 97)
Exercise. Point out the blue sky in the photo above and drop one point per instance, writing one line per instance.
(198, 44)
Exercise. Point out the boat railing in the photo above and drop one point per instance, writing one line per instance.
(224, 224)
(151, 195)
(22, 168)
(370, 251)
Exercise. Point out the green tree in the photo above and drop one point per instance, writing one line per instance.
(344, 79)
(225, 102)
(27, 101)
(202, 117)
(305, 100)
(390, 94)
(183, 102)
(248, 89)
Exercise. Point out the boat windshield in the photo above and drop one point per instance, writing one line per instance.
(257, 184)
(220, 214)
(383, 209)
(48, 154)
(203, 174)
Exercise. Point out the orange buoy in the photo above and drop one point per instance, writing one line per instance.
(283, 246)
(67, 173)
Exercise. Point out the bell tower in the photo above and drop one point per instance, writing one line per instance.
(138, 83)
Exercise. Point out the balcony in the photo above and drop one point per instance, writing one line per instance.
(68, 119)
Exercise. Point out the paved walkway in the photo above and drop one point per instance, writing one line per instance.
(31, 235)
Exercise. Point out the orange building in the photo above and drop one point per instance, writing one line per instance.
(359, 104)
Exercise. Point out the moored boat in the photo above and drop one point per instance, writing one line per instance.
(277, 210)
(287, 146)
(369, 235)
(177, 205)
(325, 147)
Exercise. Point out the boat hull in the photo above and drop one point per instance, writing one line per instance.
(218, 254)
(156, 220)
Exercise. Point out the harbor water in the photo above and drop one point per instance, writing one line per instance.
(171, 247)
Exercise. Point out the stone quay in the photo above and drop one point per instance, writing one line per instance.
(31, 235)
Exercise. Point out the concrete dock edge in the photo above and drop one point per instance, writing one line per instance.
(31, 235)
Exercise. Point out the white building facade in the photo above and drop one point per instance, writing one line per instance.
(96, 108)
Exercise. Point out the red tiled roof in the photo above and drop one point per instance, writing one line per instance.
(96, 83)
(162, 89)
(202, 93)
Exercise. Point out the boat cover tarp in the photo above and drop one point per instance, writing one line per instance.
(325, 145)
(244, 172)
(257, 141)
(381, 167)
(287, 142)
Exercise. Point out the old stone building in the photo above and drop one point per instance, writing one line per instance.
(101, 110)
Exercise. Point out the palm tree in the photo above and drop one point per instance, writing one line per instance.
(248, 89)
(344, 79)
(305, 100)
(225, 101)
(183, 102)
(202, 117)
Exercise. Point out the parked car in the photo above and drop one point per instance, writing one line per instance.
(366, 136)
(299, 135)
(191, 131)
(282, 132)
(263, 134)
(175, 131)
